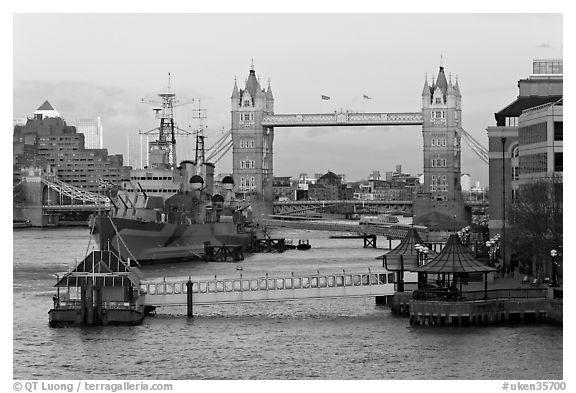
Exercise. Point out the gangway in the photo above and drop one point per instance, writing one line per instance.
(171, 292)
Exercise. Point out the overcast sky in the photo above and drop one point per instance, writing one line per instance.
(90, 65)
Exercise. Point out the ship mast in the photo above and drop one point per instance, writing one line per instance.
(200, 114)
(162, 151)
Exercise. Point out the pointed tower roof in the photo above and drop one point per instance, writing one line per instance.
(454, 258)
(457, 87)
(46, 107)
(235, 92)
(441, 81)
(269, 90)
(252, 85)
(426, 89)
(46, 110)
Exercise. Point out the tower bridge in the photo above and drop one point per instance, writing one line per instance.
(441, 205)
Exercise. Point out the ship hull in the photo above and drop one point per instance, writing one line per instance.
(154, 242)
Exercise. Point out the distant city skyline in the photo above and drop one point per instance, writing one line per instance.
(377, 63)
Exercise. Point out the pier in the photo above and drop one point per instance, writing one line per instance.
(513, 306)
(280, 288)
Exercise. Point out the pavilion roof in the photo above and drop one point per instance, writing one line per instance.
(103, 268)
(454, 258)
(404, 256)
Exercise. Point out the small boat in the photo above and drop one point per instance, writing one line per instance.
(289, 245)
(21, 223)
(303, 245)
(385, 220)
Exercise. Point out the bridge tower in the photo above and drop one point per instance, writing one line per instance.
(441, 205)
(252, 152)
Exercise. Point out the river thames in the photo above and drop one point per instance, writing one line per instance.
(312, 339)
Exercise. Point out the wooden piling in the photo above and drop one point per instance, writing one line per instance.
(189, 302)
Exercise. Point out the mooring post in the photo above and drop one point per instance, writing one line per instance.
(189, 307)
(89, 304)
(83, 305)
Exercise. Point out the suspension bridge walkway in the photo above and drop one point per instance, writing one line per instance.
(268, 288)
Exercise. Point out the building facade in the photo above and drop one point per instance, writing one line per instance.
(46, 139)
(92, 130)
(526, 143)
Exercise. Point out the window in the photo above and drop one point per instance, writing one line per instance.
(558, 130)
(438, 163)
(443, 140)
(438, 100)
(558, 162)
(252, 144)
(252, 181)
(242, 182)
(246, 102)
(241, 144)
(242, 164)
(511, 122)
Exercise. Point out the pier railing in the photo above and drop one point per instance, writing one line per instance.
(480, 295)
(256, 289)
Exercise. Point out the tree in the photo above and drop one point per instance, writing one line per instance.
(536, 218)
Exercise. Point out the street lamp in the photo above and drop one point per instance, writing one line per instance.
(418, 248)
(488, 246)
(424, 254)
(553, 254)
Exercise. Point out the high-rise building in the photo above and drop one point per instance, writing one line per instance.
(526, 143)
(48, 140)
(92, 130)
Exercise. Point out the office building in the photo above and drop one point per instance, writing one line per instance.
(92, 130)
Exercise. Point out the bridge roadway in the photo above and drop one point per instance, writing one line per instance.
(298, 207)
(342, 119)
(83, 207)
(173, 292)
(391, 231)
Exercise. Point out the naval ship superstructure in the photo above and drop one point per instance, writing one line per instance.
(167, 212)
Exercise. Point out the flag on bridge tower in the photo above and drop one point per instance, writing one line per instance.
(366, 97)
(325, 97)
